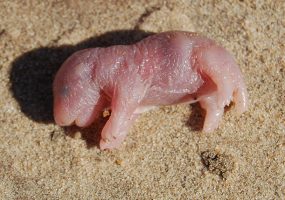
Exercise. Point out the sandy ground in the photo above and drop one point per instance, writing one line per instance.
(165, 156)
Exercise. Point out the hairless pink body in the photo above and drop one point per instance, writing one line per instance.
(163, 69)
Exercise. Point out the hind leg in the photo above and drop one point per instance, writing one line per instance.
(216, 63)
(223, 83)
(214, 112)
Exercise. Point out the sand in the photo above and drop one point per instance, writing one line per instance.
(165, 156)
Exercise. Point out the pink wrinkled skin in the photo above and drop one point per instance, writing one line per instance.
(163, 69)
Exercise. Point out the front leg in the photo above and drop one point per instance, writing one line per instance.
(116, 129)
(126, 99)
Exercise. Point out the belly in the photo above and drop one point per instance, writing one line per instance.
(164, 98)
